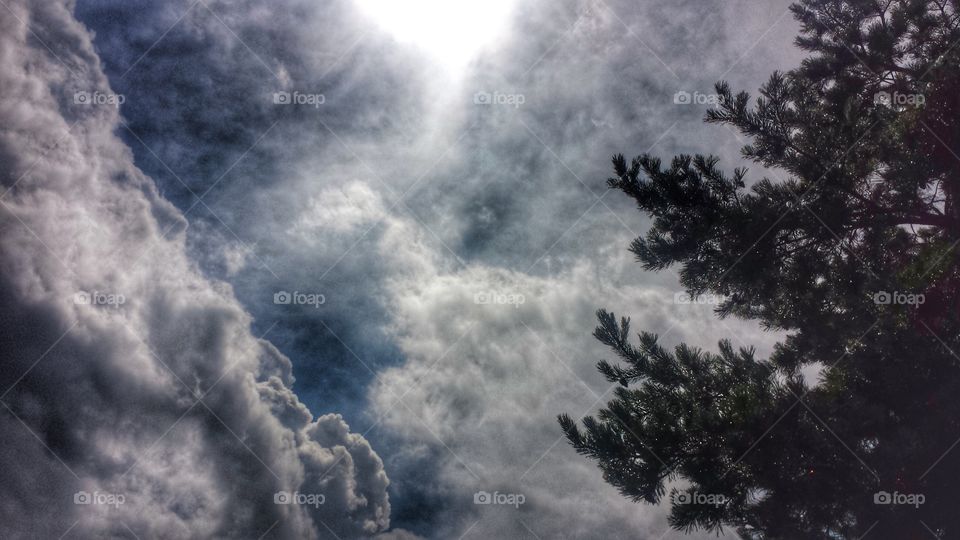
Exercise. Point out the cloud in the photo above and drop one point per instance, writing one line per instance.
(277, 194)
(135, 397)
(339, 209)
(492, 356)
(398, 534)
(497, 201)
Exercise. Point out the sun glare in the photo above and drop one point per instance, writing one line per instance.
(451, 31)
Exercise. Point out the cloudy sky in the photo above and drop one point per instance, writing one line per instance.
(344, 252)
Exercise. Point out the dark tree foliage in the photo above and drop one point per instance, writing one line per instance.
(862, 143)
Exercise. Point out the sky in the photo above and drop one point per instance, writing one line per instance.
(347, 252)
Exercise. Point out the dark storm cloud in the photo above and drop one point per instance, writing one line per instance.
(129, 379)
(202, 98)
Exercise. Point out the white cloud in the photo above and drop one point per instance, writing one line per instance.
(102, 399)
(484, 380)
(339, 209)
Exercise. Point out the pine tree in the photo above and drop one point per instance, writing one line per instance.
(850, 249)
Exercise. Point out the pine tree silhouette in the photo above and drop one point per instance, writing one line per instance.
(851, 249)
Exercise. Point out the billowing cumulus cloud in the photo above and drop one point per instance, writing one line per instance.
(135, 397)
(274, 190)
